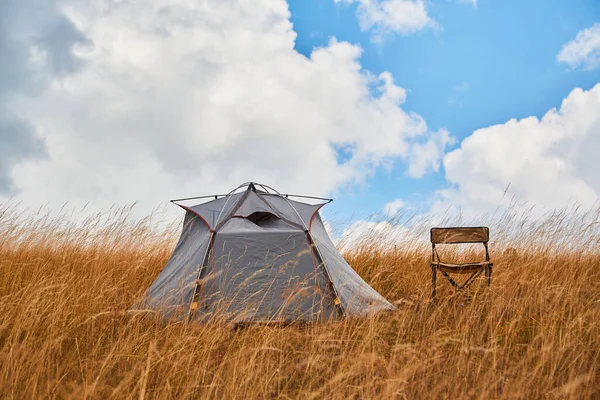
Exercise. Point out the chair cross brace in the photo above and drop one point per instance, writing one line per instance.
(466, 284)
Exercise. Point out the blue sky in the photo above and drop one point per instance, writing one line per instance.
(437, 105)
(483, 66)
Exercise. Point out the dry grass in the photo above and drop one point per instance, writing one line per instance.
(64, 333)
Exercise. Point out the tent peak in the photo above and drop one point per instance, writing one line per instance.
(258, 188)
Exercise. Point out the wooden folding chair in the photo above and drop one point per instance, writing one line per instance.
(459, 236)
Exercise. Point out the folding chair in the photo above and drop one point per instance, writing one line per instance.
(459, 236)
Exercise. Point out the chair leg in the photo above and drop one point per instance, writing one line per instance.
(488, 275)
(433, 281)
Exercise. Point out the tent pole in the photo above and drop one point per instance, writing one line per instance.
(310, 238)
(307, 197)
(266, 187)
(316, 249)
(227, 201)
(198, 197)
(312, 242)
(198, 275)
(295, 195)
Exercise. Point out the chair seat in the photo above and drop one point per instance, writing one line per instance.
(466, 268)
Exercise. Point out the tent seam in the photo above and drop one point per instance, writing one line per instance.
(198, 215)
(313, 215)
(199, 274)
(326, 271)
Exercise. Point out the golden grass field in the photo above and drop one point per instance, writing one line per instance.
(64, 332)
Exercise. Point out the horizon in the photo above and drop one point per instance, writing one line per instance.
(460, 107)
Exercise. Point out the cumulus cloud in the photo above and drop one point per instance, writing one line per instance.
(387, 235)
(381, 235)
(392, 16)
(549, 162)
(34, 47)
(426, 157)
(392, 208)
(584, 50)
(174, 98)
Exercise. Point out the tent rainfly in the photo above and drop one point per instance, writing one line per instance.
(258, 256)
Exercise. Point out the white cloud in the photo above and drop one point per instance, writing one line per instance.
(34, 46)
(549, 163)
(369, 234)
(472, 2)
(176, 98)
(412, 234)
(584, 50)
(392, 16)
(426, 157)
(392, 208)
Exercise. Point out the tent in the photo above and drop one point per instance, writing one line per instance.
(258, 256)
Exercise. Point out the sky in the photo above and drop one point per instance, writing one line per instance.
(438, 106)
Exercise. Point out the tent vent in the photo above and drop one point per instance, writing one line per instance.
(261, 217)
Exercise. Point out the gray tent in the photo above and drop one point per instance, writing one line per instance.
(258, 256)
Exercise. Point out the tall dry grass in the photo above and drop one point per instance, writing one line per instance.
(64, 333)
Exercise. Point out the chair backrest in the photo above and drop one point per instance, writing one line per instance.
(479, 234)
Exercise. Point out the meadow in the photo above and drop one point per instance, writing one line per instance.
(64, 331)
